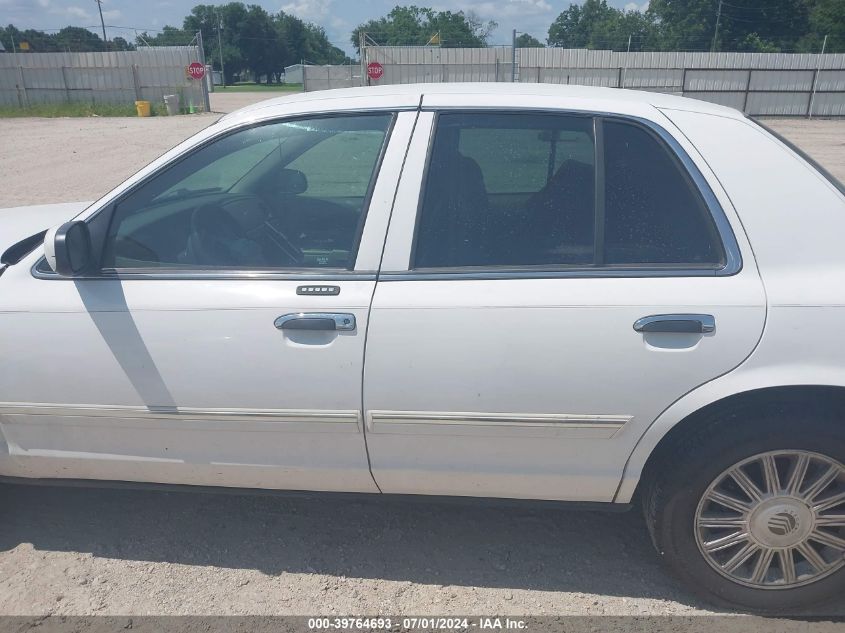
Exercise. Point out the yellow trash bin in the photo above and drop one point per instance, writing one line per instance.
(143, 108)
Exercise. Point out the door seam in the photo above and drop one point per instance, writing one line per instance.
(373, 296)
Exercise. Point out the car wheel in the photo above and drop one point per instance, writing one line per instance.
(751, 514)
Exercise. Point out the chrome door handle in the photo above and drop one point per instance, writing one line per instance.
(677, 323)
(316, 321)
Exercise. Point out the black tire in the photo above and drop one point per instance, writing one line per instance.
(672, 492)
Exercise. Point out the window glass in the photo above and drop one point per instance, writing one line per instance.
(282, 195)
(652, 213)
(508, 190)
(327, 178)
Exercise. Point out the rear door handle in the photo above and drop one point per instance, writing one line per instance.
(677, 323)
(316, 321)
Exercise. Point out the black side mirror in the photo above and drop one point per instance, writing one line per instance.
(68, 248)
(291, 181)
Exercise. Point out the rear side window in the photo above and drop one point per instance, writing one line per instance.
(508, 190)
(514, 190)
(653, 215)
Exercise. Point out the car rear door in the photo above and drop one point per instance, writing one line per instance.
(221, 342)
(551, 282)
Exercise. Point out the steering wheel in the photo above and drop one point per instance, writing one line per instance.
(217, 238)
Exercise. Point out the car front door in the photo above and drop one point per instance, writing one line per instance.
(551, 282)
(220, 341)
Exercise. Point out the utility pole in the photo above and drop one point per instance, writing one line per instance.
(220, 51)
(102, 22)
(513, 57)
(205, 97)
(625, 69)
(816, 79)
(716, 32)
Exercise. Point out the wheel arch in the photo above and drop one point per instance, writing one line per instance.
(682, 417)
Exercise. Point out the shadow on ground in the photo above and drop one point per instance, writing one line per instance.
(542, 548)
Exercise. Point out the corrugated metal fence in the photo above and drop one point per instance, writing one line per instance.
(330, 76)
(775, 84)
(117, 77)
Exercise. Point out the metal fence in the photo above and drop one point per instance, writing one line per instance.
(116, 77)
(773, 84)
(330, 76)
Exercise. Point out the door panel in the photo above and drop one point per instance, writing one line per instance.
(180, 374)
(187, 382)
(535, 388)
(511, 379)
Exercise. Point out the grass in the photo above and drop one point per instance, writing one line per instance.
(250, 87)
(52, 110)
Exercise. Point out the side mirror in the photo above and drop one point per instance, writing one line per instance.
(68, 248)
(291, 181)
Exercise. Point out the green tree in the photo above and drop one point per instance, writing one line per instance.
(120, 44)
(414, 25)
(827, 17)
(595, 24)
(753, 25)
(75, 38)
(528, 41)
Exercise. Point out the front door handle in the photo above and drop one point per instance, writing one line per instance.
(316, 321)
(677, 323)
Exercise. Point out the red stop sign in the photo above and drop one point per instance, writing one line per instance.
(375, 70)
(196, 70)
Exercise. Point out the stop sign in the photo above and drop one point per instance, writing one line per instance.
(375, 70)
(196, 70)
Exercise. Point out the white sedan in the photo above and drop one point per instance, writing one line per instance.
(481, 290)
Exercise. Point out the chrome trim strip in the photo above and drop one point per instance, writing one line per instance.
(530, 273)
(316, 275)
(268, 419)
(562, 425)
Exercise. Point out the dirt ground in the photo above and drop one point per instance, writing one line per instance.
(82, 551)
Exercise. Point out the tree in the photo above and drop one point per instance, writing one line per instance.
(168, 36)
(827, 17)
(120, 44)
(416, 26)
(597, 25)
(528, 41)
(756, 25)
(75, 38)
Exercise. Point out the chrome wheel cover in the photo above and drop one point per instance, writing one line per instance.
(775, 520)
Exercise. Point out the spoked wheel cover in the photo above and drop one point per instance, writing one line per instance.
(775, 520)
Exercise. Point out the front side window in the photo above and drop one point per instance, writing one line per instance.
(282, 195)
(515, 190)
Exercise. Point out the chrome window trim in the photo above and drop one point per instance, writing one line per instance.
(316, 275)
(335, 274)
(529, 272)
(724, 229)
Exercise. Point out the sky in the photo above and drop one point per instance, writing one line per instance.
(337, 17)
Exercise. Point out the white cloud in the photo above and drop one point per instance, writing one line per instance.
(72, 12)
(509, 8)
(310, 10)
(633, 6)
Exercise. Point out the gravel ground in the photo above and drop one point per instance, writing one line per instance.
(84, 551)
